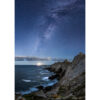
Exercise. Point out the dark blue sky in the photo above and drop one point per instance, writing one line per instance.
(49, 28)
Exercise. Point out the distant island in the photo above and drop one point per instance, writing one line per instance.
(71, 82)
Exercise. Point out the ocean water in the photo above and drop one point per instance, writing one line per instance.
(28, 77)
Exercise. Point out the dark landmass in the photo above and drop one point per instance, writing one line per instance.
(71, 82)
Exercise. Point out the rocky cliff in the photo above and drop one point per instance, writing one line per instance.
(71, 81)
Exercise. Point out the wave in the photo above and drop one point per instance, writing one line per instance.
(26, 80)
(45, 78)
(29, 91)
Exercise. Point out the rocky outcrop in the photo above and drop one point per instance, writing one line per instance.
(71, 81)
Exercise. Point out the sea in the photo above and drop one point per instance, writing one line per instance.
(29, 77)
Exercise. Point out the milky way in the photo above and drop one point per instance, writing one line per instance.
(50, 28)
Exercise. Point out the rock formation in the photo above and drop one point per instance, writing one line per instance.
(71, 83)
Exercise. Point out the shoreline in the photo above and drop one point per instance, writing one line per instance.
(42, 86)
(36, 89)
(70, 85)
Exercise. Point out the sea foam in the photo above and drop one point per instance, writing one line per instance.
(26, 80)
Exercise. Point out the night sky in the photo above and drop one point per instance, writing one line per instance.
(49, 28)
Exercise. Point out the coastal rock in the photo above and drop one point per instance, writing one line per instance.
(40, 87)
(72, 78)
(53, 77)
(39, 95)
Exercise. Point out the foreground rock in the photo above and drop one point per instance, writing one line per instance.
(71, 85)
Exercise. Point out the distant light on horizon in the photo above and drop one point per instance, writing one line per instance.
(39, 63)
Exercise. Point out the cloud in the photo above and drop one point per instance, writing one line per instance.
(28, 58)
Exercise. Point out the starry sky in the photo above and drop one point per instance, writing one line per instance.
(49, 28)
